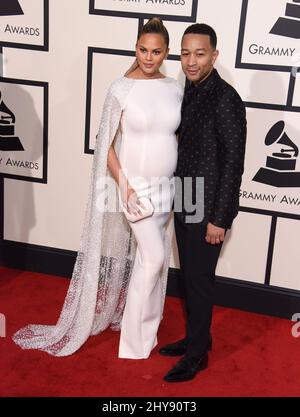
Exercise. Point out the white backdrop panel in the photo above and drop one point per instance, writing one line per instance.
(244, 253)
(286, 260)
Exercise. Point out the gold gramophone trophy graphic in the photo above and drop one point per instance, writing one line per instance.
(289, 25)
(8, 140)
(280, 170)
(10, 8)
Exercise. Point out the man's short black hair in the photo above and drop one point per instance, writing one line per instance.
(203, 29)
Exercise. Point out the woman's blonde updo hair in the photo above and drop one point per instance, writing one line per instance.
(154, 25)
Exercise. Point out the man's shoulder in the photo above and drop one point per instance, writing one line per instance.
(226, 90)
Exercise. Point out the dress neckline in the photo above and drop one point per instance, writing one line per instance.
(146, 79)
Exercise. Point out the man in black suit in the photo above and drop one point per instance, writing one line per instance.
(211, 145)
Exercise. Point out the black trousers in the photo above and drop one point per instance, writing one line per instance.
(198, 260)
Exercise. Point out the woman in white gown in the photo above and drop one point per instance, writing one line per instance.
(119, 277)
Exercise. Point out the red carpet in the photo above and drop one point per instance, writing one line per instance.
(253, 355)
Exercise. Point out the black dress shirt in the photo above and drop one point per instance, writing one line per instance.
(211, 145)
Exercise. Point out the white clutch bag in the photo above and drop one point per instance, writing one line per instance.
(146, 212)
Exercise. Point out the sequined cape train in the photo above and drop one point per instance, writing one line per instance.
(97, 292)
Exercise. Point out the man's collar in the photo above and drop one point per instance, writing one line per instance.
(206, 83)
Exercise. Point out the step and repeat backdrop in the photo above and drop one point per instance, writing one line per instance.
(59, 58)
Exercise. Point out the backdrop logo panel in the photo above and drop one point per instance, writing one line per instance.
(271, 180)
(23, 145)
(182, 10)
(24, 24)
(269, 40)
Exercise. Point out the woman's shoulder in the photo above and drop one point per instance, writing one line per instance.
(176, 85)
(119, 84)
(119, 89)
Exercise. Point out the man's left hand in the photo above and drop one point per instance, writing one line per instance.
(214, 234)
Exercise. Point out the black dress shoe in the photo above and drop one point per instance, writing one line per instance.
(186, 369)
(179, 348)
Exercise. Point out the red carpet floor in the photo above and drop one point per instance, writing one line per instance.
(253, 355)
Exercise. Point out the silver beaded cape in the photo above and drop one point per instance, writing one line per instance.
(97, 292)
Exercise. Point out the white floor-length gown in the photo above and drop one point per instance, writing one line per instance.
(148, 155)
(120, 274)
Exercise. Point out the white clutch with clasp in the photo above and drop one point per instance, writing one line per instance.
(146, 212)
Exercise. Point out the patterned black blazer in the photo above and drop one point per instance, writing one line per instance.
(211, 144)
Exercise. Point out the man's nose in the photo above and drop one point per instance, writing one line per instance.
(191, 60)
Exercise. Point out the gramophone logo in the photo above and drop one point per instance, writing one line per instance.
(280, 169)
(10, 8)
(289, 25)
(8, 140)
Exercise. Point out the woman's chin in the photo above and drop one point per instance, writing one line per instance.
(150, 70)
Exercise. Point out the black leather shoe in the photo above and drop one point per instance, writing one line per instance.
(186, 369)
(179, 348)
